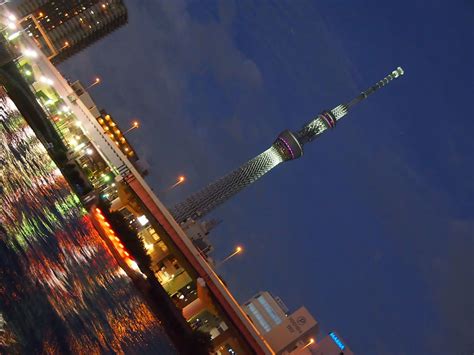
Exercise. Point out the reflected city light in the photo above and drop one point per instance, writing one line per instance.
(61, 290)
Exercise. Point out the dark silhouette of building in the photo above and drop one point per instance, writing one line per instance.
(62, 28)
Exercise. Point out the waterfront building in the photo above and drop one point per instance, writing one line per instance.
(332, 344)
(62, 28)
(198, 232)
(286, 333)
(109, 126)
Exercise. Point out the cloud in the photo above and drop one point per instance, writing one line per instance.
(146, 70)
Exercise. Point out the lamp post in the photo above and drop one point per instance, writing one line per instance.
(237, 250)
(180, 180)
(66, 44)
(96, 81)
(310, 342)
(135, 124)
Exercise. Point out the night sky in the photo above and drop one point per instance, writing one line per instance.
(372, 229)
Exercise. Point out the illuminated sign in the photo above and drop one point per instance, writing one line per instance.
(337, 340)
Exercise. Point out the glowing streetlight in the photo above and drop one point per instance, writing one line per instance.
(311, 341)
(135, 124)
(180, 180)
(237, 250)
(96, 81)
(66, 44)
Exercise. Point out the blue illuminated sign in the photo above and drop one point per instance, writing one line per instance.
(337, 340)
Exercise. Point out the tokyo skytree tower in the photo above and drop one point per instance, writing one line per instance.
(287, 146)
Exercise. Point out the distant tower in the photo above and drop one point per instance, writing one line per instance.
(62, 28)
(287, 146)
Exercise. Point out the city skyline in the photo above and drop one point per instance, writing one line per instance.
(387, 175)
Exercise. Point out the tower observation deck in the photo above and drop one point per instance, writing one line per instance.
(287, 146)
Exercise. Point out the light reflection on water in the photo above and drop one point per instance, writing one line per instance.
(60, 290)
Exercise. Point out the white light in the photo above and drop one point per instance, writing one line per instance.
(30, 53)
(133, 265)
(11, 17)
(148, 246)
(143, 220)
(11, 25)
(49, 102)
(65, 109)
(89, 151)
(13, 36)
(46, 80)
(27, 72)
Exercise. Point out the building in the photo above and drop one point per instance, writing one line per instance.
(62, 28)
(332, 344)
(198, 232)
(285, 333)
(109, 126)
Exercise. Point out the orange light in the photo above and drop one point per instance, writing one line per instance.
(117, 239)
(98, 211)
(107, 224)
(182, 178)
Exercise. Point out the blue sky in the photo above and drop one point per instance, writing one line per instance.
(372, 229)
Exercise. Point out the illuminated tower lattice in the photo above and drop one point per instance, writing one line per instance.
(287, 146)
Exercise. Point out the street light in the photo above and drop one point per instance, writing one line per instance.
(180, 180)
(237, 250)
(135, 124)
(96, 81)
(66, 44)
(310, 342)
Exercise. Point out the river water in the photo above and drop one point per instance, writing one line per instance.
(61, 291)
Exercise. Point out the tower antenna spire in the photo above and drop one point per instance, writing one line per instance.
(287, 146)
(363, 95)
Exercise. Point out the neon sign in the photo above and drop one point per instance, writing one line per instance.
(337, 340)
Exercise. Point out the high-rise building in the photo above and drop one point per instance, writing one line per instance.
(332, 344)
(287, 146)
(285, 333)
(265, 311)
(62, 28)
(109, 126)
